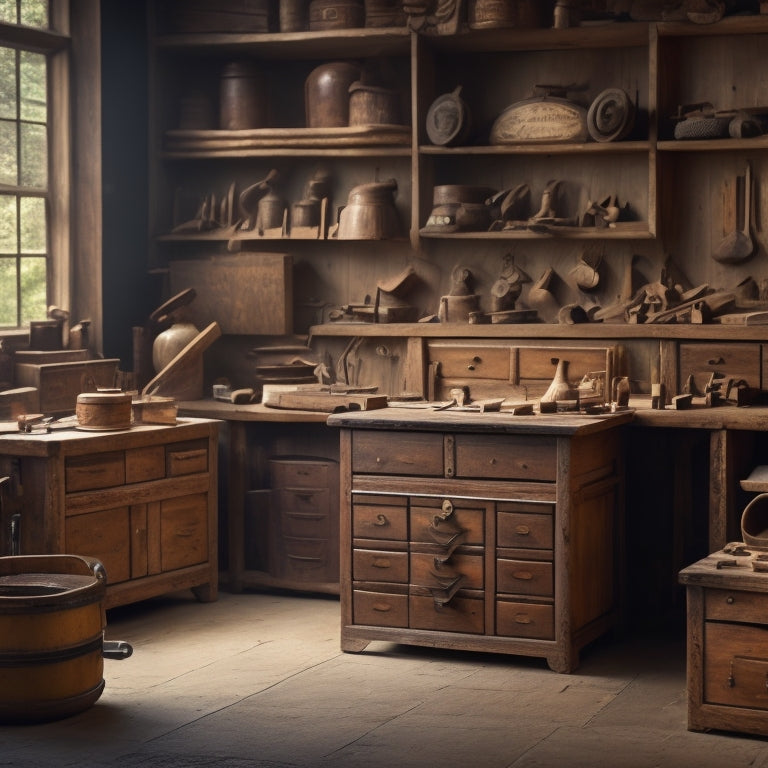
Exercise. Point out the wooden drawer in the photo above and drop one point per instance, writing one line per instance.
(101, 470)
(506, 457)
(380, 565)
(186, 458)
(304, 512)
(736, 361)
(526, 529)
(397, 453)
(308, 559)
(737, 606)
(144, 464)
(736, 665)
(529, 620)
(461, 614)
(371, 520)
(525, 577)
(427, 572)
(428, 527)
(472, 361)
(302, 473)
(183, 531)
(380, 609)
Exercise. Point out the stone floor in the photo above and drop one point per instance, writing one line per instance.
(259, 680)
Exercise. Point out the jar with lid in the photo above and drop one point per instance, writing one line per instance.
(242, 102)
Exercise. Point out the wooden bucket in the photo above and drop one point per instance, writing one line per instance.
(51, 636)
(754, 522)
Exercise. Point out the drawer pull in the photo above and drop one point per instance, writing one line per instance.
(522, 575)
(381, 562)
(716, 361)
(522, 618)
(475, 361)
(381, 607)
(730, 600)
(522, 530)
(381, 520)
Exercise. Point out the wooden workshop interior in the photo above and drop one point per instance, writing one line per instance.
(456, 309)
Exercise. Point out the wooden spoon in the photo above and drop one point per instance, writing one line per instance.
(738, 246)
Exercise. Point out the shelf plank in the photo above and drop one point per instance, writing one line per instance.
(713, 145)
(613, 147)
(623, 231)
(710, 332)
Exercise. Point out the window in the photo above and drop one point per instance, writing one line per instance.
(28, 59)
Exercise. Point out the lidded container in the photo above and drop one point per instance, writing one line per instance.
(326, 94)
(242, 102)
(336, 14)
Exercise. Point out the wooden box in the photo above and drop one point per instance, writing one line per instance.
(727, 645)
(250, 293)
(59, 384)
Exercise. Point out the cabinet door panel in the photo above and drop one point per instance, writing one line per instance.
(104, 535)
(184, 531)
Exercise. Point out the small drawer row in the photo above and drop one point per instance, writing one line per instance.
(135, 465)
(414, 608)
(432, 454)
(418, 519)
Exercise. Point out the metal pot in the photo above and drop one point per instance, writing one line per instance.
(370, 213)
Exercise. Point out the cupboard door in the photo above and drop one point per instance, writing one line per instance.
(105, 535)
(183, 531)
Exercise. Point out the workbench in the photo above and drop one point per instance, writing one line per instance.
(142, 500)
(480, 531)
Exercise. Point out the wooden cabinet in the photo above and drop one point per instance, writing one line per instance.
(727, 640)
(142, 501)
(480, 532)
(305, 519)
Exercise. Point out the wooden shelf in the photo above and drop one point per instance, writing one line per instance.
(710, 332)
(596, 147)
(628, 231)
(713, 145)
(368, 42)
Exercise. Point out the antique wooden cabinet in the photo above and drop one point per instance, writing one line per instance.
(143, 501)
(483, 532)
(727, 641)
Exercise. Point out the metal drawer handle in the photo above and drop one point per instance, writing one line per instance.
(381, 520)
(381, 562)
(716, 361)
(381, 607)
(522, 530)
(522, 618)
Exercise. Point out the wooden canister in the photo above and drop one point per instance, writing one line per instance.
(103, 410)
(51, 636)
(326, 94)
(373, 105)
(491, 14)
(242, 97)
(336, 14)
(385, 13)
(293, 15)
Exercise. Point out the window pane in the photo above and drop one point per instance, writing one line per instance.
(34, 13)
(32, 84)
(33, 237)
(8, 292)
(8, 83)
(9, 168)
(34, 304)
(8, 11)
(9, 243)
(34, 156)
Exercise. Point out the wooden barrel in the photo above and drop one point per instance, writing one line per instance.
(51, 636)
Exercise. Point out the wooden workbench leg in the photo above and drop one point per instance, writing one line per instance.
(719, 493)
(236, 482)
